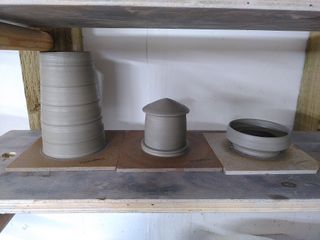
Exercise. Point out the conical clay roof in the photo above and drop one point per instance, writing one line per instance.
(166, 107)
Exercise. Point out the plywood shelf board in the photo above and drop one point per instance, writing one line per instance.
(292, 161)
(109, 191)
(199, 157)
(122, 153)
(263, 15)
(33, 160)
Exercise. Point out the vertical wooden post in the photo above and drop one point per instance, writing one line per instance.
(76, 36)
(308, 107)
(31, 80)
(65, 39)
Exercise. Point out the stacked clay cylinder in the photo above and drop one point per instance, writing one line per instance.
(71, 119)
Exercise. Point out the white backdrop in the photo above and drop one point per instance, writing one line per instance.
(220, 75)
(13, 109)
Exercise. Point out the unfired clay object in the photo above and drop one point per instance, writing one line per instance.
(165, 128)
(63, 115)
(258, 138)
(70, 112)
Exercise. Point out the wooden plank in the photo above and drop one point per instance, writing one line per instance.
(301, 5)
(124, 152)
(20, 38)
(76, 37)
(308, 107)
(292, 161)
(262, 15)
(32, 160)
(4, 220)
(65, 39)
(200, 157)
(31, 80)
(110, 191)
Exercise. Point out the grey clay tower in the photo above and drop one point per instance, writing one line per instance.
(165, 128)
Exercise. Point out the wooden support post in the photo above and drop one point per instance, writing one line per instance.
(65, 39)
(308, 107)
(20, 38)
(4, 220)
(31, 80)
(76, 36)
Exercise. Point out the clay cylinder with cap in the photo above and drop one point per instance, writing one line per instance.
(165, 128)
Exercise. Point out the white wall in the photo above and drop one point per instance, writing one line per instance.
(13, 109)
(155, 226)
(220, 75)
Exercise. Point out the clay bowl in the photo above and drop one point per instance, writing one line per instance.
(258, 138)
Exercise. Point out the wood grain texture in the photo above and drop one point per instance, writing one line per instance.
(20, 38)
(308, 107)
(4, 220)
(123, 152)
(188, 15)
(200, 157)
(33, 160)
(292, 161)
(302, 5)
(110, 191)
(31, 80)
(65, 39)
(76, 36)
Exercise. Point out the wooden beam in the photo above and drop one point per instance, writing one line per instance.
(19, 38)
(230, 14)
(302, 5)
(4, 220)
(65, 39)
(31, 81)
(76, 36)
(308, 107)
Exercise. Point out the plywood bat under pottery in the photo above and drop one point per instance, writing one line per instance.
(200, 157)
(33, 160)
(292, 161)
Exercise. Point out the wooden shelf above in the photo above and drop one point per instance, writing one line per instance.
(211, 14)
(179, 191)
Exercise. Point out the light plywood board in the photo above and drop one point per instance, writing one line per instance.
(292, 161)
(33, 160)
(200, 157)
(230, 14)
(173, 191)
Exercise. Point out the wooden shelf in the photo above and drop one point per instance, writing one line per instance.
(110, 191)
(230, 14)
